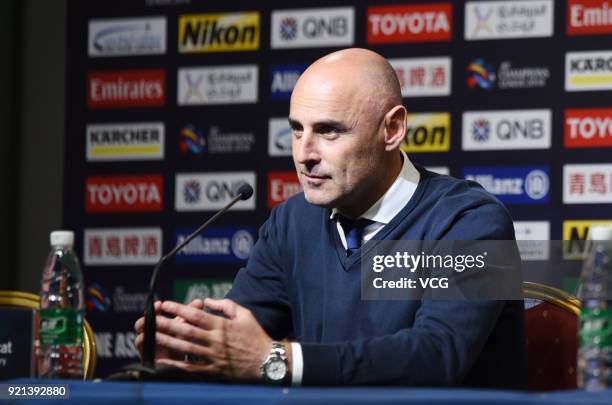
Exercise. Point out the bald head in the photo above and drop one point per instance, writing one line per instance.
(348, 124)
(360, 74)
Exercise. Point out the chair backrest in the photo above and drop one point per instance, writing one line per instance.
(21, 299)
(551, 323)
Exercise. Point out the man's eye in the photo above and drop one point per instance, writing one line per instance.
(297, 133)
(329, 133)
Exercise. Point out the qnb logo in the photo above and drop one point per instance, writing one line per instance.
(481, 130)
(219, 32)
(124, 193)
(480, 74)
(288, 28)
(312, 27)
(212, 191)
(527, 129)
(506, 129)
(192, 192)
(222, 191)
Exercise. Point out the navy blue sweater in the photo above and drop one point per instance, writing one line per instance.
(300, 284)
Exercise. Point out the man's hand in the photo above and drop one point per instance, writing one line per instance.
(232, 347)
(161, 352)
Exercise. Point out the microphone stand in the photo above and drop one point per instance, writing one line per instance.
(146, 369)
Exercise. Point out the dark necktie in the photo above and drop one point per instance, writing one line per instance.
(353, 231)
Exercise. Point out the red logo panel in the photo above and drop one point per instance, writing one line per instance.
(281, 186)
(588, 128)
(124, 194)
(409, 23)
(129, 88)
(589, 17)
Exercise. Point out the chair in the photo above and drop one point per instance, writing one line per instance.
(551, 323)
(21, 299)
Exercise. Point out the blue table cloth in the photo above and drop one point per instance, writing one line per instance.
(93, 393)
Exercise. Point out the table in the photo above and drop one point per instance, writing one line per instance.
(106, 393)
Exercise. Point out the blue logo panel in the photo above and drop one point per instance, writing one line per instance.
(282, 80)
(513, 185)
(216, 245)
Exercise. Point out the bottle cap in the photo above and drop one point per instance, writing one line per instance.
(62, 238)
(601, 232)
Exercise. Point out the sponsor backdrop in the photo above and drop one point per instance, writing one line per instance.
(173, 103)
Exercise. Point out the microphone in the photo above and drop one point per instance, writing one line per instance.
(146, 370)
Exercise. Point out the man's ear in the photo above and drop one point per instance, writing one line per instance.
(395, 127)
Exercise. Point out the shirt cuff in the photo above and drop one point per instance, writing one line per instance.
(297, 364)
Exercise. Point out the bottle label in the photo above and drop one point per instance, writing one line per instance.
(61, 326)
(596, 328)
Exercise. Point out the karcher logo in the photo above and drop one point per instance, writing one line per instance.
(219, 32)
(576, 234)
(428, 132)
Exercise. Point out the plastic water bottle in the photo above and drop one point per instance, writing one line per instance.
(595, 324)
(60, 352)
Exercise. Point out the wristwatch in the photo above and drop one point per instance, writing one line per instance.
(275, 367)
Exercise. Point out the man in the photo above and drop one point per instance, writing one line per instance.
(295, 315)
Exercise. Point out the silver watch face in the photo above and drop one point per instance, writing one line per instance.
(276, 370)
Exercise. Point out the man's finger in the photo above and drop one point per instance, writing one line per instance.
(138, 341)
(228, 307)
(188, 366)
(182, 329)
(139, 324)
(182, 346)
(197, 303)
(192, 315)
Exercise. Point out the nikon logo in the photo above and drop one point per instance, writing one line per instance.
(428, 132)
(576, 234)
(219, 32)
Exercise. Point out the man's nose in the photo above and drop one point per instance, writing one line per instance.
(306, 148)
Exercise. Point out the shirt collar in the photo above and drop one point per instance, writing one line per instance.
(395, 198)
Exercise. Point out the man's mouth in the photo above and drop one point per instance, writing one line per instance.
(315, 178)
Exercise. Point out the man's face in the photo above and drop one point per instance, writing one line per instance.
(336, 143)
